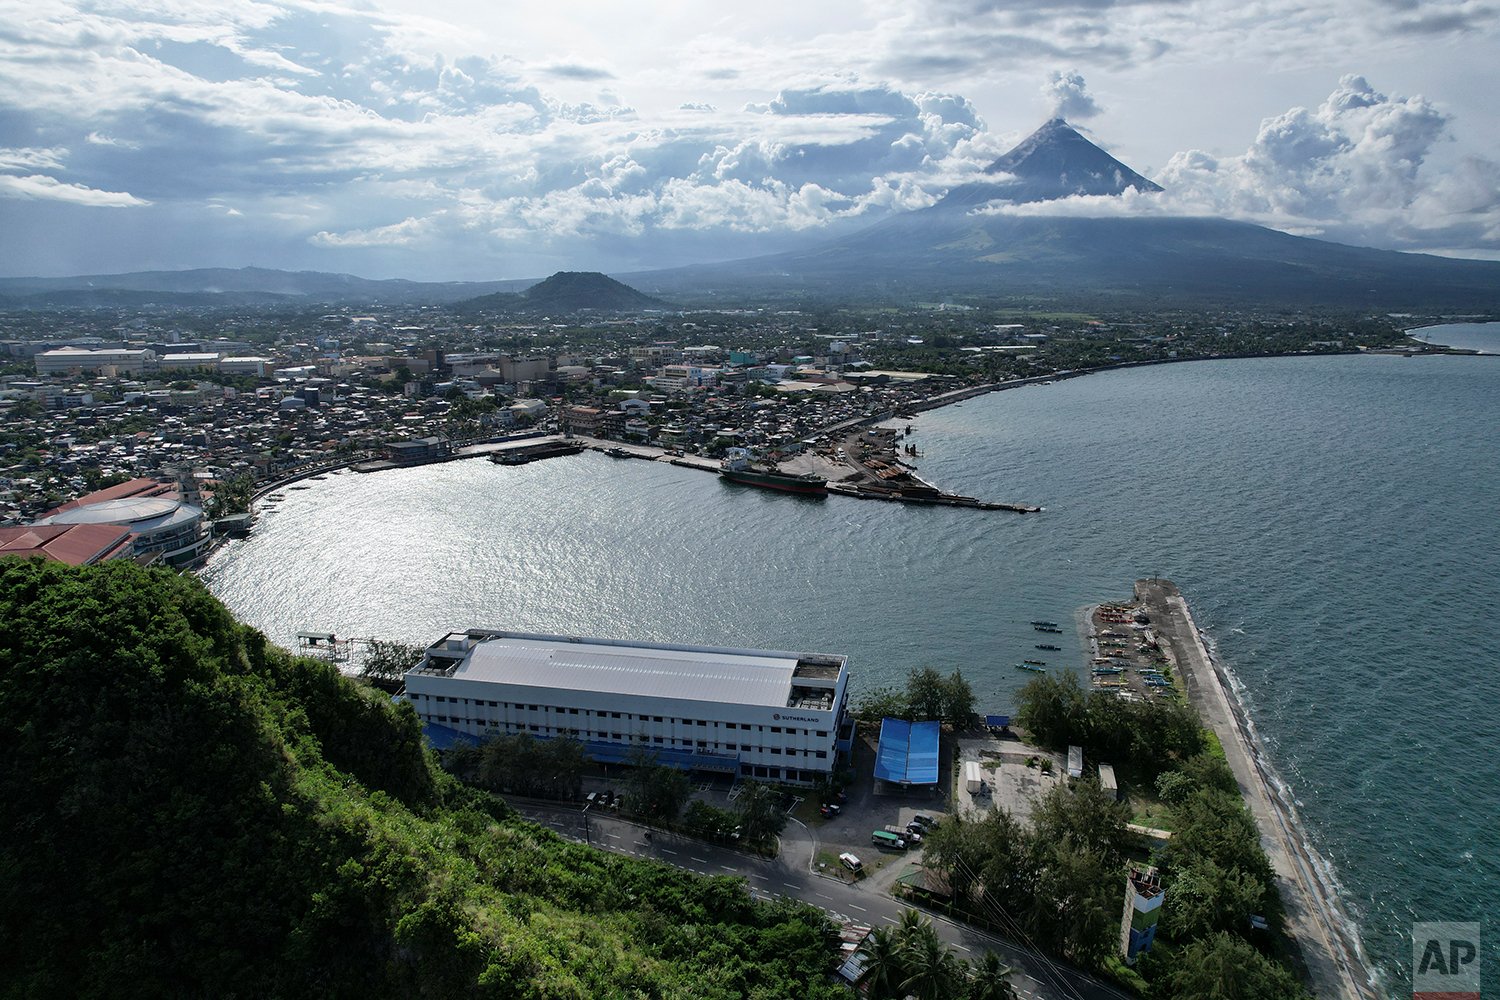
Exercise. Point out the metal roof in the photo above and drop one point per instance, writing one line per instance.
(908, 752)
(686, 674)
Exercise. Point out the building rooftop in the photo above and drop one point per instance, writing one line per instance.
(74, 544)
(619, 667)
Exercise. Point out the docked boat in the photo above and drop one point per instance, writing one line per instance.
(736, 468)
(1048, 628)
(1042, 624)
(535, 452)
(1049, 646)
(1032, 667)
(1035, 663)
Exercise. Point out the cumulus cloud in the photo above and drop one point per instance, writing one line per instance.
(40, 187)
(339, 133)
(397, 234)
(1352, 169)
(1068, 97)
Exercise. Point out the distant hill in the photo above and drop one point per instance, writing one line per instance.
(214, 286)
(569, 292)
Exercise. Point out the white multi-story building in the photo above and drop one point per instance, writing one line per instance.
(756, 713)
(66, 359)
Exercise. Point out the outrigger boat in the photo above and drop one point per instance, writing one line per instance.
(1032, 667)
(1048, 645)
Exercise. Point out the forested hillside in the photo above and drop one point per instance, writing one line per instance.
(191, 811)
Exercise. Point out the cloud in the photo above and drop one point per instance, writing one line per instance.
(577, 71)
(1353, 170)
(1069, 98)
(397, 234)
(42, 188)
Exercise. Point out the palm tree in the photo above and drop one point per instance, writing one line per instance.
(933, 971)
(991, 980)
(884, 969)
(913, 923)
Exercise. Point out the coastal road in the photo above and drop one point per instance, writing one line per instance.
(1037, 977)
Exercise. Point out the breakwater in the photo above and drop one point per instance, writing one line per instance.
(1320, 929)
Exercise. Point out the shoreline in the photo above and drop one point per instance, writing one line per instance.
(1322, 934)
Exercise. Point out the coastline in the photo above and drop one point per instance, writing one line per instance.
(1315, 922)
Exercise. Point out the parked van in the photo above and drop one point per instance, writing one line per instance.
(851, 862)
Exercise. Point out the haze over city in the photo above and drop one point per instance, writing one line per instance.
(466, 143)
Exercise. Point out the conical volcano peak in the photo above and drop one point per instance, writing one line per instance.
(1055, 161)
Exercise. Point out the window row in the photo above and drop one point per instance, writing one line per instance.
(623, 716)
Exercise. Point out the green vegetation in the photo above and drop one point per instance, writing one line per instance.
(231, 496)
(928, 695)
(1148, 737)
(1059, 881)
(388, 661)
(1062, 880)
(909, 959)
(194, 812)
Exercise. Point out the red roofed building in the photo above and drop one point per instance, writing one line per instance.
(156, 519)
(74, 544)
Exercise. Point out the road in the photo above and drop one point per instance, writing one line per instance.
(1036, 977)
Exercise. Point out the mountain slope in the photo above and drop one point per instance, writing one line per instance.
(192, 812)
(1053, 162)
(953, 250)
(1131, 262)
(569, 292)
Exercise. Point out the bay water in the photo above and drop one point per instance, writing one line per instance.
(1333, 521)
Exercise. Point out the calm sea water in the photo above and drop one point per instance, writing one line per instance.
(1482, 337)
(1333, 522)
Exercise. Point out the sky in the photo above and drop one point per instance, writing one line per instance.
(482, 140)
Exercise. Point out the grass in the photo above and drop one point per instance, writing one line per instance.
(1150, 812)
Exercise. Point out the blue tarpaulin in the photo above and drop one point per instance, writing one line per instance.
(441, 737)
(997, 721)
(908, 752)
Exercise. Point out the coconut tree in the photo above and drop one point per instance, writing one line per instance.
(933, 971)
(990, 980)
(884, 969)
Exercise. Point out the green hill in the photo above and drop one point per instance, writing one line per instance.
(191, 811)
(569, 292)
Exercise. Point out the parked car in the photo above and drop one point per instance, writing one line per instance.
(851, 862)
(927, 822)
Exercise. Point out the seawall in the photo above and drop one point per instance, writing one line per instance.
(1320, 931)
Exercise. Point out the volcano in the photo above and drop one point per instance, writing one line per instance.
(1055, 161)
(967, 247)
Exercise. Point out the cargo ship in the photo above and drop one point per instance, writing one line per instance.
(736, 468)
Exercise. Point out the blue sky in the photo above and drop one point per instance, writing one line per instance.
(472, 140)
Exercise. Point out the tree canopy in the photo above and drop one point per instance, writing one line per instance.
(191, 811)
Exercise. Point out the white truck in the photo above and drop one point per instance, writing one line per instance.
(973, 777)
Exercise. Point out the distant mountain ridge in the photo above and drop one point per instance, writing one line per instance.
(210, 286)
(950, 249)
